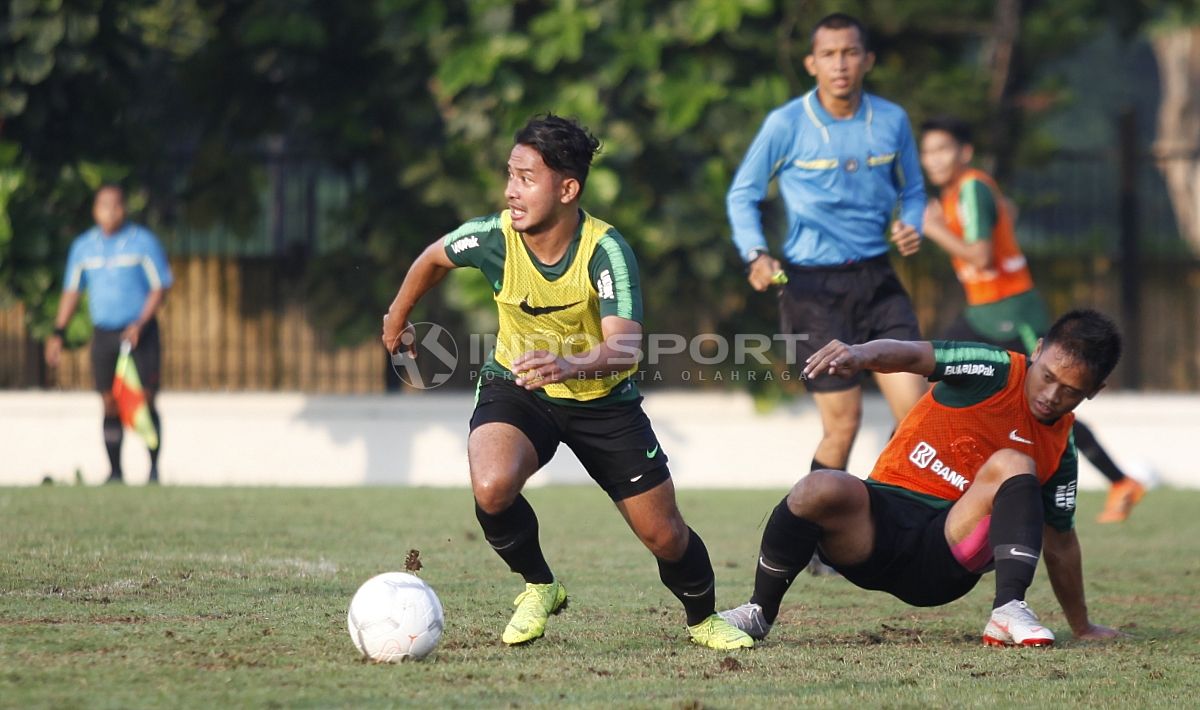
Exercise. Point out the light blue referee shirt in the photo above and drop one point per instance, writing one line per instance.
(118, 271)
(840, 181)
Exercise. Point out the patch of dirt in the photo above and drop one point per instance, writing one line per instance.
(412, 563)
(729, 664)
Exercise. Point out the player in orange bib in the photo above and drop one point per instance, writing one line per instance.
(973, 223)
(980, 475)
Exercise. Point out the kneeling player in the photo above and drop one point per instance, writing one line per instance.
(981, 474)
(566, 287)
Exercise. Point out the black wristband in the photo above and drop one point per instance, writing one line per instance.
(60, 332)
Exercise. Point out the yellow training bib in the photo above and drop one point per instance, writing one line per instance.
(561, 316)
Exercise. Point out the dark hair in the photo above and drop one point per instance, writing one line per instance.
(955, 126)
(565, 146)
(1089, 337)
(840, 21)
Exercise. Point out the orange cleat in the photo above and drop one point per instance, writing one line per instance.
(1123, 495)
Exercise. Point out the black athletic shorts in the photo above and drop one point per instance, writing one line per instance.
(615, 443)
(147, 356)
(912, 560)
(852, 303)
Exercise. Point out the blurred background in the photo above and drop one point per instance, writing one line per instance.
(294, 157)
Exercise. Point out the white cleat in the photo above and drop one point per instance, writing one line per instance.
(749, 618)
(1015, 624)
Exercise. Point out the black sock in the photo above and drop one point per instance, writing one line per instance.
(788, 544)
(817, 465)
(513, 534)
(1016, 536)
(691, 580)
(1091, 449)
(113, 433)
(154, 452)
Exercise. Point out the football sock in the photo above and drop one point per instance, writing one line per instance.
(691, 580)
(1016, 536)
(513, 534)
(818, 465)
(112, 443)
(1091, 449)
(788, 544)
(154, 452)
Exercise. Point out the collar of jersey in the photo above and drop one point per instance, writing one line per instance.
(821, 118)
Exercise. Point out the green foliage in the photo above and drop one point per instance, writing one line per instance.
(411, 105)
(221, 597)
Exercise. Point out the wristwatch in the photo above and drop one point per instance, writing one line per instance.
(753, 255)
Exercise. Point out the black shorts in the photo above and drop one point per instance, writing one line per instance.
(853, 303)
(106, 347)
(615, 443)
(911, 560)
(962, 330)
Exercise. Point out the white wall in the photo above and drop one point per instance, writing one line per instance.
(713, 440)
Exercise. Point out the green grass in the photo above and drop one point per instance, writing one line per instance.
(227, 598)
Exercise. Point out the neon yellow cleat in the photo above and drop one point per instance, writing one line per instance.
(534, 606)
(715, 632)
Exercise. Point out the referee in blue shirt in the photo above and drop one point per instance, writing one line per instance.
(125, 271)
(843, 160)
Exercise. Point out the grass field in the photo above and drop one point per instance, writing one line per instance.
(181, 597)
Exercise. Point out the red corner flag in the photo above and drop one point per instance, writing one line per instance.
(131, 399)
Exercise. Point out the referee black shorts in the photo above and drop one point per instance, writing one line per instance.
(852, 303)
(615, 443)
(147, 356)
(911, 559)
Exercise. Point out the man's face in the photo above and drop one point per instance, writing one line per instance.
(839, 61)
(109, 209)
(535, 193)
(943, 157)
(1057, 383)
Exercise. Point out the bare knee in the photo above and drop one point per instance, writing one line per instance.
(1006, 463)
(820, 493)
(494, 490)
(667, 539)
(110, 404)
(844, 422)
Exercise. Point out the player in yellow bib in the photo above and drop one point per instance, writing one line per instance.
(566, 288)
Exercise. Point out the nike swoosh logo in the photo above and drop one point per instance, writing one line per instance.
(1016, 437)
(636, 478)
(762, 563)
(544, 310)
(1018, 553)
(651, 453)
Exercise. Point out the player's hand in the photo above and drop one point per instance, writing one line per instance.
(132, 332)
(54, 348)
(393, 338)
(836, 358)
(538, 368)
(906, 238)
(763, 272)
(1096, 632)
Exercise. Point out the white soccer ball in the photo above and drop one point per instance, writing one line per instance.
(395, 617)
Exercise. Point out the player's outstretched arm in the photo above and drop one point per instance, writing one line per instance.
(1064, 566)
(425, 273)
(620, 349)
(837, 358)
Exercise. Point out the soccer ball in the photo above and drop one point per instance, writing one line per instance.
(395, 617)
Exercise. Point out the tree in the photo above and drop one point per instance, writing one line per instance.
(1177, 146)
